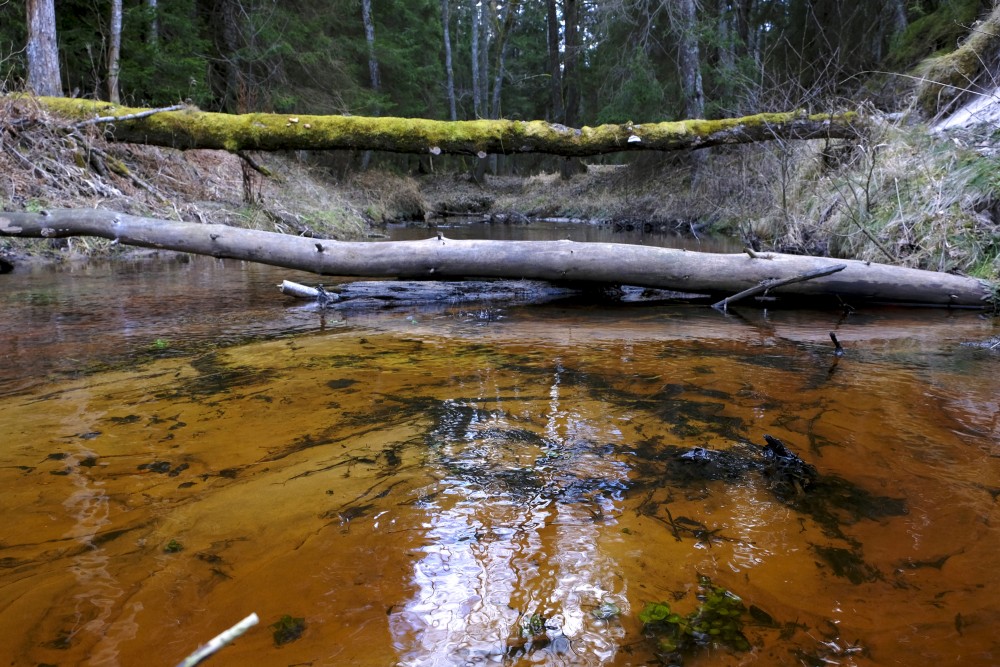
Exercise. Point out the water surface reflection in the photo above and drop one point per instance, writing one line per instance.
(441, 488)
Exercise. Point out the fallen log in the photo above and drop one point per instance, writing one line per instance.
(560, 261)
(191, 128)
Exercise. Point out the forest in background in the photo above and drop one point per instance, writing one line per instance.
(575, 62)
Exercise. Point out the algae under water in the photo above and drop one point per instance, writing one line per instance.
(439, 488)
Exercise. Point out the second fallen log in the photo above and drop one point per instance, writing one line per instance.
(436, 258)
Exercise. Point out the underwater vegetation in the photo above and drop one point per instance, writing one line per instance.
(717, 622)
(287, 629)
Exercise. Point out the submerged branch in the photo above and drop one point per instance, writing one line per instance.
(768, 285)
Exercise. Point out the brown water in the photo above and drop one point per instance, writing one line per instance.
(418, 486)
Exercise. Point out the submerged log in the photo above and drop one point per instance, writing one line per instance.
(191, 128)
(370, 294)
(561, 261)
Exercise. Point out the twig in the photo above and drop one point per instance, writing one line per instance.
(131, 116)
(771, 284)
(838, 349)
(253, 164)
(754, 254)
(219, 641)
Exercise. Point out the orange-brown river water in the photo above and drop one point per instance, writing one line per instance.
(180, 447)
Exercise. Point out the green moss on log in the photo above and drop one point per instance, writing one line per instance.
(196, 129)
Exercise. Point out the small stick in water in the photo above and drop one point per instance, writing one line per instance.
(219, 641)
(838, 348)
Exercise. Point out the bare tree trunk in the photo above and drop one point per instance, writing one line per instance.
(477, 98)
(727, 40)
(366, 17)
(445, 20)
(114, 51)
(571, 74)
(228, 41)
(571, 77)
(899, 19)
(42, 49)
(154, 22)
(439, 258)
(376, 79)
(510, 10)
(685, 22)
(556, 113)
(485, 41)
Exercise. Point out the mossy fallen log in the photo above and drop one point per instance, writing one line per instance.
(190, 128)
(561, 261)
(946, 81)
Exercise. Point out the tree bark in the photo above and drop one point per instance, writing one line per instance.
(554, 62)
(685, 20)
(571, 62)
(42, 49)
(271, 132)
(373, 72)
(114, 50)
(439, 258)
(477, 98)
(449, 69)
(506, 22)
(154, 22)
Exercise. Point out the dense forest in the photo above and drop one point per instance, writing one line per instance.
(574, 62)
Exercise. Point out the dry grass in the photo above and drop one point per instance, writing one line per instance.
(47, 166)
(905, 197)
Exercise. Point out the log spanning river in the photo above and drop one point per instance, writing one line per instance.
(565, 484)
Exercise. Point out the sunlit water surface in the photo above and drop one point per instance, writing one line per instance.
(182, 446)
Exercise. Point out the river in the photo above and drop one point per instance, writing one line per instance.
(183, 446)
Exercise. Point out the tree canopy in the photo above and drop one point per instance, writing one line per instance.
(565, 61)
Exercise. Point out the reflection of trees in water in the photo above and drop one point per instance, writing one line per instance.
(529, 477)
(513, 533)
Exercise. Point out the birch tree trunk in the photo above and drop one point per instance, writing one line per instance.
(42, 48)
(449, 70)
(114, 50)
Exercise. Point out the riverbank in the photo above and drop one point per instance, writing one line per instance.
(904, 195)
